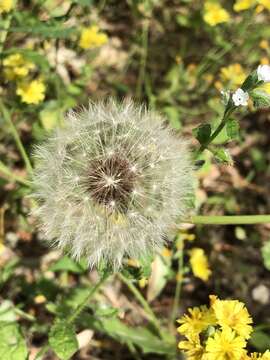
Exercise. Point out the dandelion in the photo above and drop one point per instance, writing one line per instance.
(240, 97)
(199, 264)
(214, 14)
(233, 314)
(263, 4)
(91, 37)
(241, 5)
(111, 183)
(225, 345)
(16, 66)
(31, 93)
(263, 73)
(6, 5)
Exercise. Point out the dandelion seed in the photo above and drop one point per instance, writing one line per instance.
(123, 200)
(240, 97)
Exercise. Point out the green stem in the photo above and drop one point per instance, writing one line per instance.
(4, 32)
(16, 137)
(178, 287)
(141, 77)
(82, 305)
(11, 176)
(143, 302)
(229, 219)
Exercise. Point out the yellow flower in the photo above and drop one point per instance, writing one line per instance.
(225, 345)
(192, 348)
(214, 14)
(199, 264)
(264, 44)
(92, 38)
(233, 314)
(167, 253)
(241, 5)
(16, 66)
(6, 5)
(233, 74)
(264, 61)
(265, 87)
(33, 92)
(264, 3)
(198, 320)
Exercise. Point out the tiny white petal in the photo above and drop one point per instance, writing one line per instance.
(263, 73)
(240, 97)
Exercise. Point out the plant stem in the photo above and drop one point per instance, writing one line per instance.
(7, 172)
(229, 219)
(141, 76)
(16, 137)
(178, 286)
(4, 32)
(82, 305)
(143, 302)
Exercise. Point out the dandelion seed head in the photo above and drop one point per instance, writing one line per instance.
(111, 182)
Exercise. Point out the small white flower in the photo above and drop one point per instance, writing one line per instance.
(263, 73)
(240, 97)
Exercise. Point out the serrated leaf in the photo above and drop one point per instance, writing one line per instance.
(12, 343)
(222, 155)
(62, 339)
(266, 255)
(68, 264)
(232, 129)
(260, 99)
(202, 133)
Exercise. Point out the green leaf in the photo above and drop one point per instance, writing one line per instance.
(250, 82)
(266, 255)
(222, 155)
(51, 115)
(140, 336)
(173, 116)
(260, 99)
(12, 343)
(62, 339)
(7, 311)
(68, 264)
(202, 133)
(232, 129)
(260, 340)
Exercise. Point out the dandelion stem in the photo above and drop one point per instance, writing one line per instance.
(229, 219)
(82, 305)
(144, 303)
(16, 136)
(141, 77)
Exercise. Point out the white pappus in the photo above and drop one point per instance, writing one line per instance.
(111, 182)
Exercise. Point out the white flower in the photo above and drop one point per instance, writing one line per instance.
(111, 183)
(240, 97)
(263, 73)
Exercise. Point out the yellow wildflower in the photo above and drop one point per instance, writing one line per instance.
(33, 92)
(199, 264)
(91, 37)
(264, 44)
(6, 5)
(225, 345)
(143, 282)
(266, 87)
(258, 356)
(233, 314)
(198, 320)
(214, 14)
(192, 348)
(264, 61)
(264, 3)
(233, 74)
(241, 5)
(16, 66)
(167, 253)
